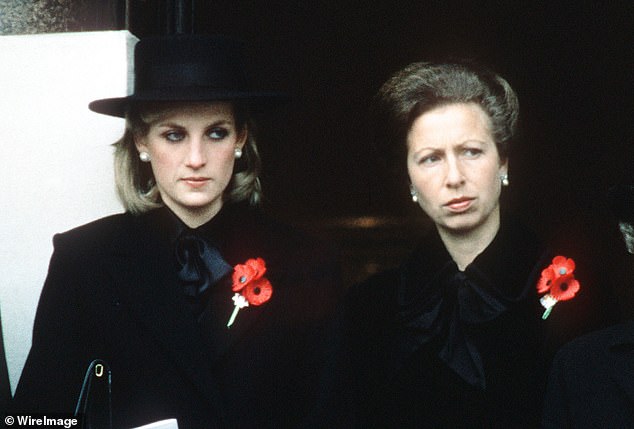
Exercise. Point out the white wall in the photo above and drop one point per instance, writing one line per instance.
(55, 158)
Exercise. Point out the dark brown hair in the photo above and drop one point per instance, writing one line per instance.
(423, 86)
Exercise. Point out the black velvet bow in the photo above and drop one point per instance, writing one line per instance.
(465, 304)
(459, 303)
(200, 264)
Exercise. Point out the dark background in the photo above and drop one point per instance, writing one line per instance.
(571, 64)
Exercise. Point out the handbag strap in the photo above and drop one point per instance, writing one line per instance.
(98, 373)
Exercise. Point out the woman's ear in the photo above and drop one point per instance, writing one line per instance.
(504, 167)
(141, 145)
(242, 137)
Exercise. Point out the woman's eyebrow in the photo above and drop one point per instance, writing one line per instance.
(220, 122)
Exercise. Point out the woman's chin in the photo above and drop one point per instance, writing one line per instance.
(197, 206)
(463, 225)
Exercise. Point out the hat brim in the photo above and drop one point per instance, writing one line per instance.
(118, 106)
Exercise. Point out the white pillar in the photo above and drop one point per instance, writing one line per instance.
(55, 158)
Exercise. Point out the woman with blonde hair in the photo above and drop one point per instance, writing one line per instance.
(193, 303)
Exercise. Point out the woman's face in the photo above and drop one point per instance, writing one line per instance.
(455, 168)
(191, 147)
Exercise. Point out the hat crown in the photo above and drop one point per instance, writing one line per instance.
(189, 61)
(188, 68)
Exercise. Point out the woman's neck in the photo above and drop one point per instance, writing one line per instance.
(465, 246)
(194, 218)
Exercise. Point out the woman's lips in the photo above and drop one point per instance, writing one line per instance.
(459, 205)
(196, 182)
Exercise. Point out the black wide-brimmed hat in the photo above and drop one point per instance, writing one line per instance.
(188, 68)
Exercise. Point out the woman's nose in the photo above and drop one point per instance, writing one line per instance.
(455, 176)
(196, 156)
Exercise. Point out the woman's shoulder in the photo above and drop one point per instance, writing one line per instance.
(253, 227)
(105, 228)
(113, 234)
(374, 298)
(596, 345)
(258, 220)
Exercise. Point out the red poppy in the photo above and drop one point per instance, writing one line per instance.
(253, 287)
(545, 281)
(252, 269)
(564, 287)
(258, 291)
(562, 265)
(558, 281)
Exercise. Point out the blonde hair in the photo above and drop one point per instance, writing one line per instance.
(136, 185)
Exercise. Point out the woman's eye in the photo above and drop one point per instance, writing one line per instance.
(174, 136)
(472, 152)
(218, 133)
(429, 159)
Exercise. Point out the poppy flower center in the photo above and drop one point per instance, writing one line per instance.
(564, 286)
(257, 290)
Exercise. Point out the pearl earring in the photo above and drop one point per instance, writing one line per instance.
(144, 156)
(504, 179)
(413, 193)
(237, 152)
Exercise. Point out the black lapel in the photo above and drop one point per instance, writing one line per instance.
(146, 282)
(214, 320)
(241, 235)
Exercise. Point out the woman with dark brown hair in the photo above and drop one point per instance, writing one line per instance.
(454, 337)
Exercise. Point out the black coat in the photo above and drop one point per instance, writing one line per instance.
(112, 294)
(439, 348)
(592, 381)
